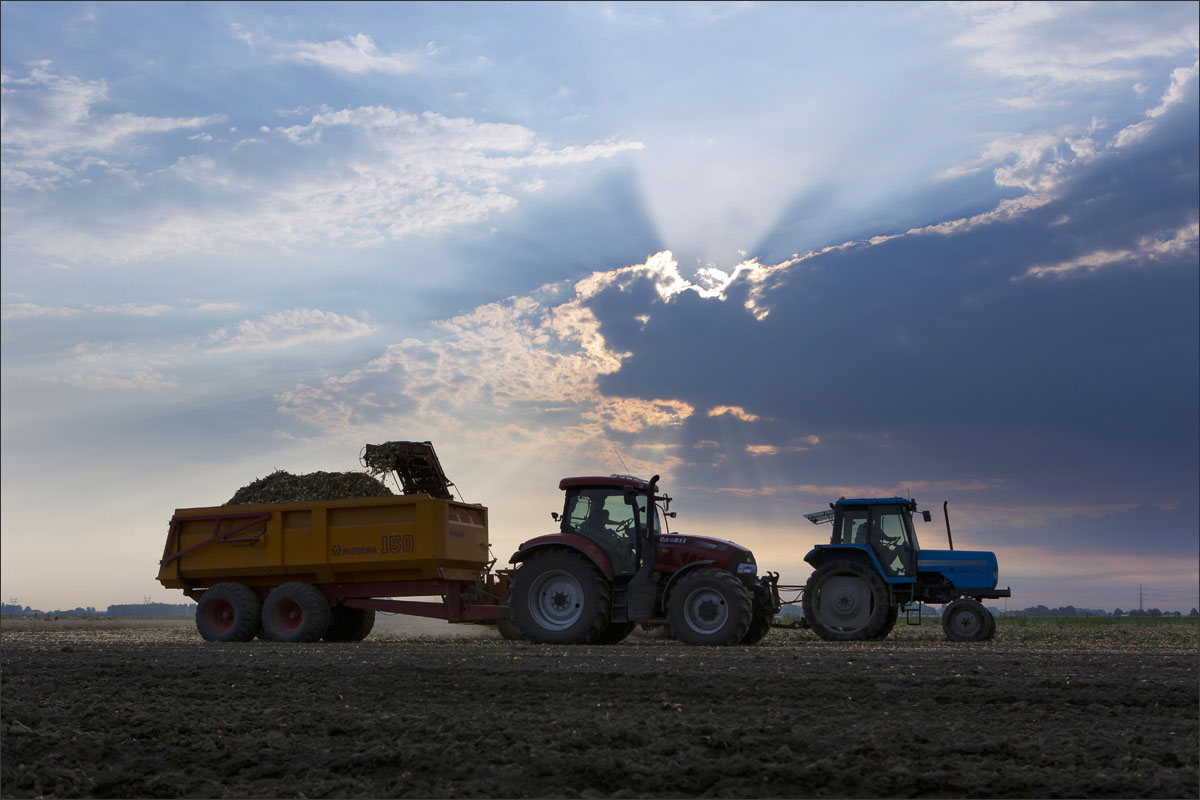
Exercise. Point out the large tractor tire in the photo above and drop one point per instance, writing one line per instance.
(349, 624)
(893, 615)
(710, 606)
(760, 624)
(616, 632)
(228, 612)
(845, 601)
(966, 620)
(509, 630)
(559, 597)
(295, 612)
(991, 631)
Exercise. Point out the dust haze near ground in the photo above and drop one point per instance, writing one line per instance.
(1098, 708)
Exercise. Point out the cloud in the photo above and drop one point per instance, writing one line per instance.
(1175, 94)
(140, 380)
(131, 310)
(797, 445)
(51, 131)
(15, 311)
(1049, 46)
(349, 177)
(1149, 248)
(734, 411)
(285, 329)
(356, 54)
(632, 415)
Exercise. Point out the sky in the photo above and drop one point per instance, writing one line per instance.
(775, 253)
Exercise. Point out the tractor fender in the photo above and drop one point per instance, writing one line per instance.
(571, 541)
(675, 577)
(859, 552)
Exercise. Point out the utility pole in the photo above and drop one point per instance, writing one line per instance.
(1140, 608)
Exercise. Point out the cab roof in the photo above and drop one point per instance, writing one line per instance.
(874, 501)
(603, 482)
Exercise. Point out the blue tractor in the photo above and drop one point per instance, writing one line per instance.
(873, 566)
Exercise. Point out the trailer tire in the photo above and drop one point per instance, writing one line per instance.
(559, 597)
(349, 624)
(966, 620)
(760, 623)
(295, 612)
(846, 600)
(616, 632)
(228, 612)
(710, 606)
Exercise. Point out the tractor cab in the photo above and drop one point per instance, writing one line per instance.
(605, 511)
(882, 525)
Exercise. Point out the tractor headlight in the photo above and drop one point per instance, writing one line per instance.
(748, 567)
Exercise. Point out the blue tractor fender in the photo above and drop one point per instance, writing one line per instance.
(822, 553)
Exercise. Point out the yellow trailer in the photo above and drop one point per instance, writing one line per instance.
(308, 570)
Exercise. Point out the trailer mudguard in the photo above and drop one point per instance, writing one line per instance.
(571, 540)
(966, 569)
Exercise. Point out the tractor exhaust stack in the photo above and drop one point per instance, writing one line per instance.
(946, 511)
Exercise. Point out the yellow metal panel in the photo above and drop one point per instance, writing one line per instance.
(364, 539)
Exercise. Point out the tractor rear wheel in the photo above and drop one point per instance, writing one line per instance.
(349, 624)
(710, 607)
(616, 632)
(846, 600)
(893, 615)
(559, 597)
(966, 620)
(295, 612)
(228, 612)
(509, 630)
(760, 623)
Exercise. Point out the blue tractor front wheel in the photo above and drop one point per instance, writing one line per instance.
(966, 620)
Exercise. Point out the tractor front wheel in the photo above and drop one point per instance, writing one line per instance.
(966, 620)
(559, 597)
(846, 600)
(760, 623)
(710, 607)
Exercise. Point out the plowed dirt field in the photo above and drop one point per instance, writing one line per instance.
(154, 711)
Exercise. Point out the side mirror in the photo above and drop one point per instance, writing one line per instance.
(926, 515)
(554, 515)
(630, 496)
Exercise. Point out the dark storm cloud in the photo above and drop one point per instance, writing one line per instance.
(1141, 531)
(930, 356)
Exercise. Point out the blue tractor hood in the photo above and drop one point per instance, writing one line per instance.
(966, 569)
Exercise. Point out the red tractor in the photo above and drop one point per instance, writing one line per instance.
(613, 564)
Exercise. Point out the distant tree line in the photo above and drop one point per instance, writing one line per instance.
(141, 610)
(1072, 611)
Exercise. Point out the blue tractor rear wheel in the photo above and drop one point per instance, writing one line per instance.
(845, 600)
